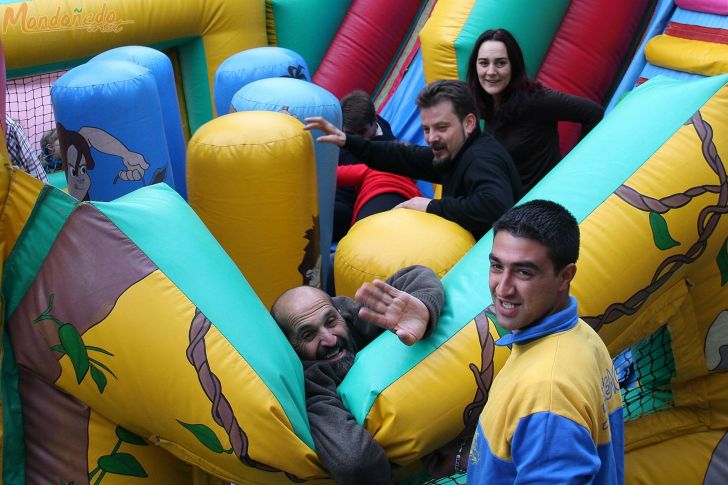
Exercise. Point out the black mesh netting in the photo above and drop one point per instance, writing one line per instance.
(28, 100)
(645, 372)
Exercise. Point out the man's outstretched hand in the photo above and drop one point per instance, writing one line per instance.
(331, 134)
(392, 309)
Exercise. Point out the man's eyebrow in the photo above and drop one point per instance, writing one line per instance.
(517, 264)
(331, 312)
(301, 329)
(527, 264)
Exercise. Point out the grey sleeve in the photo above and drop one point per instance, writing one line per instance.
(346, 449)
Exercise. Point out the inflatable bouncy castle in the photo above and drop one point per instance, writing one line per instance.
(137, 344)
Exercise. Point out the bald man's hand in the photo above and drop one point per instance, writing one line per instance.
(392, 309)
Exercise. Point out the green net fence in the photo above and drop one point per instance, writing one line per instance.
(645, 373)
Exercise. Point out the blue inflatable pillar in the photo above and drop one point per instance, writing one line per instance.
(253, 65)
(301, 99)
(163, 73)
(110, 129)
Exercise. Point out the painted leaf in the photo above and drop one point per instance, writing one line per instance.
(93, 473)
(58, 348)
(49, 308)
(102, 365)
(205, 435)
(76, 350)
(122, 464)
(99, 378)
(99, 349)
(660, 232)
(722, 260)
(128, 437)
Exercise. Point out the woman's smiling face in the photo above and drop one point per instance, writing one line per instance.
(493, 68)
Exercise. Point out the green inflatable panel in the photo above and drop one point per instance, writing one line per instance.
(534, 24)
(307, 27)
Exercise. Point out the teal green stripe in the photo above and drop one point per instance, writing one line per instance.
(612, 152)
(195, 83)
(13, 438)
(48, 216)
(297, 20)
(535, 31)
(166, 229)
(50, 212)
(58, 180)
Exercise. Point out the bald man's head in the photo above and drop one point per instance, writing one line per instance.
(312, 324)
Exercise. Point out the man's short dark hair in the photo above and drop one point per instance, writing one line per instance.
(448, 90)
(548, 223)
(358, 111)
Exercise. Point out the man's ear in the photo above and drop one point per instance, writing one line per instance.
(567, 274)
(469, 123)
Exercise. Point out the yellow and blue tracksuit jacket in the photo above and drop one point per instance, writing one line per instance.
(554, 414)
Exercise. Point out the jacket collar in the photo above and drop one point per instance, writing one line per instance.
(468, 141)
(558, 322)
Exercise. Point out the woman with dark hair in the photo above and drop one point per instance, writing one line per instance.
(519, 112)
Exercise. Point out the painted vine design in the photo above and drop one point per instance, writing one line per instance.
(72, 345)
(707, 222)
(483, 375)
(116, 463)
(222, 412)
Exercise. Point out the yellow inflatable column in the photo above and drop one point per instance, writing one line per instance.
(251, 179)
(439, 35)
(381, 244)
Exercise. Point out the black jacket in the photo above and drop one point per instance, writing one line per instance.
(347, 450)
(531, 134)
(478, 187)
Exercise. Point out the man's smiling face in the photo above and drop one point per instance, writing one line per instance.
(445, 132)
(317, 330)
(524, 283)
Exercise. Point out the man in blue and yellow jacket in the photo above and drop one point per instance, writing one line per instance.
(554, 413)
